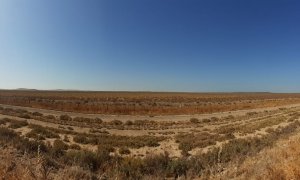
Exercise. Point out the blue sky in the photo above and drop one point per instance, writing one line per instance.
(151, 45)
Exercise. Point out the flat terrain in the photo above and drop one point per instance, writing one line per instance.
(144, 103)
(141, 146)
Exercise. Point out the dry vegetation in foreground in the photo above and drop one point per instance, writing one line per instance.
(35, 145)
(65, 153)
(143, 103)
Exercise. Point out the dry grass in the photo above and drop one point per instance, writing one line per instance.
(277, 163)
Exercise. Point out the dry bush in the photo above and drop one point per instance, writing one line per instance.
(65, 118)
(15, 124)
(39, 131)
(124, 151)
(194, 120)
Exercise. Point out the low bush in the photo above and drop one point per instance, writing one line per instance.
(59, 147)
(117, 122)
(65, 118)
(25, 116)
(128, 123)
(37, 114)
(4, 121)
(75, 147)
(41, 131)
(194, 120)
(15, 124)
(124, 151)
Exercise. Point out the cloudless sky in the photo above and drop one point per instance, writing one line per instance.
(151, 45)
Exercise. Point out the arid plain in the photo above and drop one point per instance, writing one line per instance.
(148, 135)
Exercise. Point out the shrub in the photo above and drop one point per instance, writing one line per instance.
(214, 119)
(66, 138)
(129, 123)
(131, 168)
(124, 151)
(59, 148)
(206, 120)
(98, 120)
(15, 124)
(39, 130)
(65, 118)
(7, 134)
(75, 147)
(194, 120)
(50, 117)
(70, 128)
(81, 139)
(156, 164)
(87, 159)
(31, 147)
(37, 114)
(117, 122)
(178, 168)
(251, 113)
(25, 116)
(4, 121)
(35, 136)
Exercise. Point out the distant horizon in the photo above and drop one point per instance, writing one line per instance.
(142, 91)
(152, 45)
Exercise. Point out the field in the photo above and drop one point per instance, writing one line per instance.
(123, 135)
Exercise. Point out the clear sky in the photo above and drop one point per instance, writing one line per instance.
(151, 45)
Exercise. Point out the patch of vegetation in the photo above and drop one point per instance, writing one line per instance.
(194, 120)
(124, 151)
(118, 141)
(15, 124)
(39, 131)
(189, 141)
(65, 117)
(4, 121)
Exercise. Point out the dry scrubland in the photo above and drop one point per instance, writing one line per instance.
(141, 103)
(46, 144)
